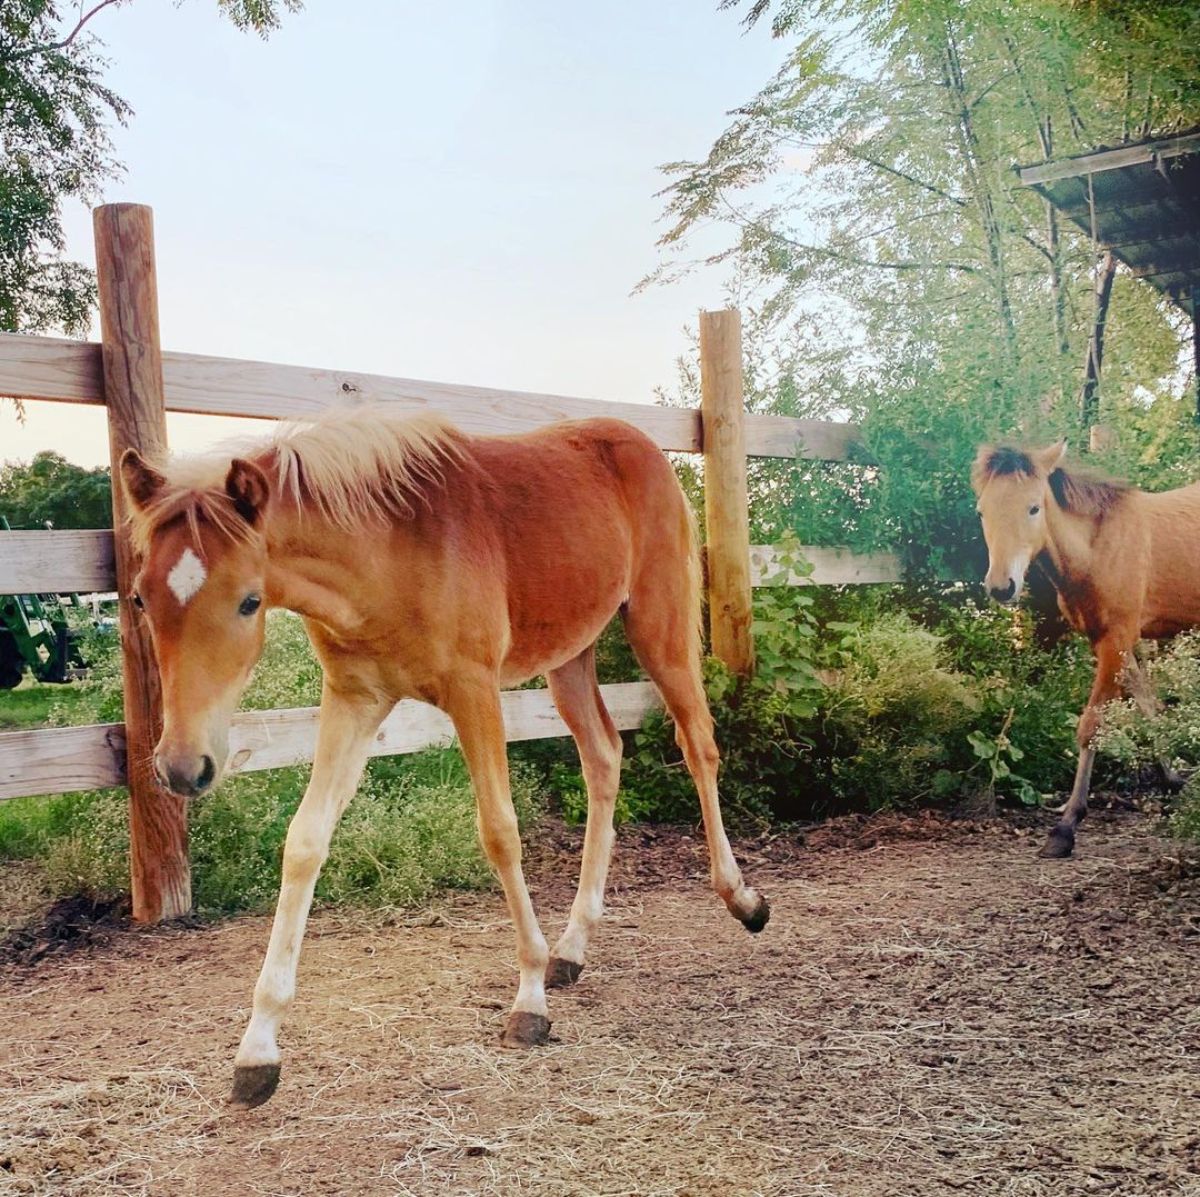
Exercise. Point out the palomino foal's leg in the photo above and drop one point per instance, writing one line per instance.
(1111, 655)
(1140, 688)
(344, 738)
(1061, 840)
(474, 706)
(578, 700)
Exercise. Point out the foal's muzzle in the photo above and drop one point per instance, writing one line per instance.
(189, 777)
(1004, 594)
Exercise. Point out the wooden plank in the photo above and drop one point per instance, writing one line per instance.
(217, 386)
(50, 368)
(788, 436)
(47, 368)
(831, 567)
(1102, 160)
(69, 371)
(59, 759)
(127, 283)
(726, 510)
(56, 562)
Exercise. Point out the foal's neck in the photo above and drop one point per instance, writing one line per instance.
(308, 563)
(1069, 542)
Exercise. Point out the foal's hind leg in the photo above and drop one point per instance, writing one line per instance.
(668, 650)
(578, 700)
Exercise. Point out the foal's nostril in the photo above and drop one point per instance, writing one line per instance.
(183, 779)
(207, 772)
(1003, 594)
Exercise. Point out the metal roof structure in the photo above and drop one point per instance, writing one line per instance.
(1142, 201)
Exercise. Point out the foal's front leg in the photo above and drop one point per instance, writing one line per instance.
(1111, 655)
(344, 737)
(474, 706)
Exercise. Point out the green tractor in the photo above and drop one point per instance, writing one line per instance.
(35, 633)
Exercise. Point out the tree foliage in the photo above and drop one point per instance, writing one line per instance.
(901, 275)
(56, 112)
(52, 490)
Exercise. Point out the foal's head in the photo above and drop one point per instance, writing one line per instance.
(1013, 488)
(201, 590)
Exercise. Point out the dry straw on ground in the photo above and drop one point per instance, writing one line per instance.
(932, 1010)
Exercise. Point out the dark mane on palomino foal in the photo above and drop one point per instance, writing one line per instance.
(355, 466)
(1079, 492)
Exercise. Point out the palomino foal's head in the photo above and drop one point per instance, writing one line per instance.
(1013, 489)
(201, 590)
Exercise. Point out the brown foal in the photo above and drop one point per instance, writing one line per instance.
(434, 565)
(1125, 565)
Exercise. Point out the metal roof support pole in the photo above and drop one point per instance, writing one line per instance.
(1089, 400)
(1196, 345)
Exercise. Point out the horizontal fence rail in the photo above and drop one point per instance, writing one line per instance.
(69, 372)
(60, 562)
(830, 567)
(57, 562)
(60, 759)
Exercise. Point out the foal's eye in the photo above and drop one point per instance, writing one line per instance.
(137, 601)
(1034, 509)
(250, 604)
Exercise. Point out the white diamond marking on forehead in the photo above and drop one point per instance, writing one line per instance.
(186, 577)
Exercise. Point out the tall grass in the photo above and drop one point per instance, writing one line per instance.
(409, 831)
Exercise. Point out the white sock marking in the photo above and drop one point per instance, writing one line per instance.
(186, 577)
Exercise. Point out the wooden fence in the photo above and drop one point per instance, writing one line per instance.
(138, 384)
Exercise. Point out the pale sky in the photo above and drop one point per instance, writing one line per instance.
(461, 192)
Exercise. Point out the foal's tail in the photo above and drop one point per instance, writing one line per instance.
(695, 578)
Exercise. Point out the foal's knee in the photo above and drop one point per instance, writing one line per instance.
(1089, 725)
(602, 771)
(303, 854)
(501, 839)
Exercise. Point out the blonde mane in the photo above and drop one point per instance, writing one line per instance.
(351, 466)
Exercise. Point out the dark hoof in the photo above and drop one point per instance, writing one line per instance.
(1060, 843)
(524, 1029)
(253, 1084)
(560, 973)
(1173, 781)
(757, 919)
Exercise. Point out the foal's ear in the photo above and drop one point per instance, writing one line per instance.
(1050, 458)
(141, 481)
(249, 489)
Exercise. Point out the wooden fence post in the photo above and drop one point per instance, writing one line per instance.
(133, 392)
(726, 507)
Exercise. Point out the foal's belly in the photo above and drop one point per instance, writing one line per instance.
(547, 638)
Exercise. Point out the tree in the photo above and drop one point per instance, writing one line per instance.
(55, 113)
(917, 287)
(52, 490)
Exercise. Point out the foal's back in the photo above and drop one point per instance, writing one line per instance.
(1171, 520)
(554, 530)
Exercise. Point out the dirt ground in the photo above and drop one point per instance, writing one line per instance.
(931, 1010)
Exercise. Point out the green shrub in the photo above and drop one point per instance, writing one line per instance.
(893, 720)
(408, 832)
(875, 697)
(1136, 737)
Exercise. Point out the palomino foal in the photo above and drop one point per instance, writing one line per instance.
(1125, 565)
(433, 565)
